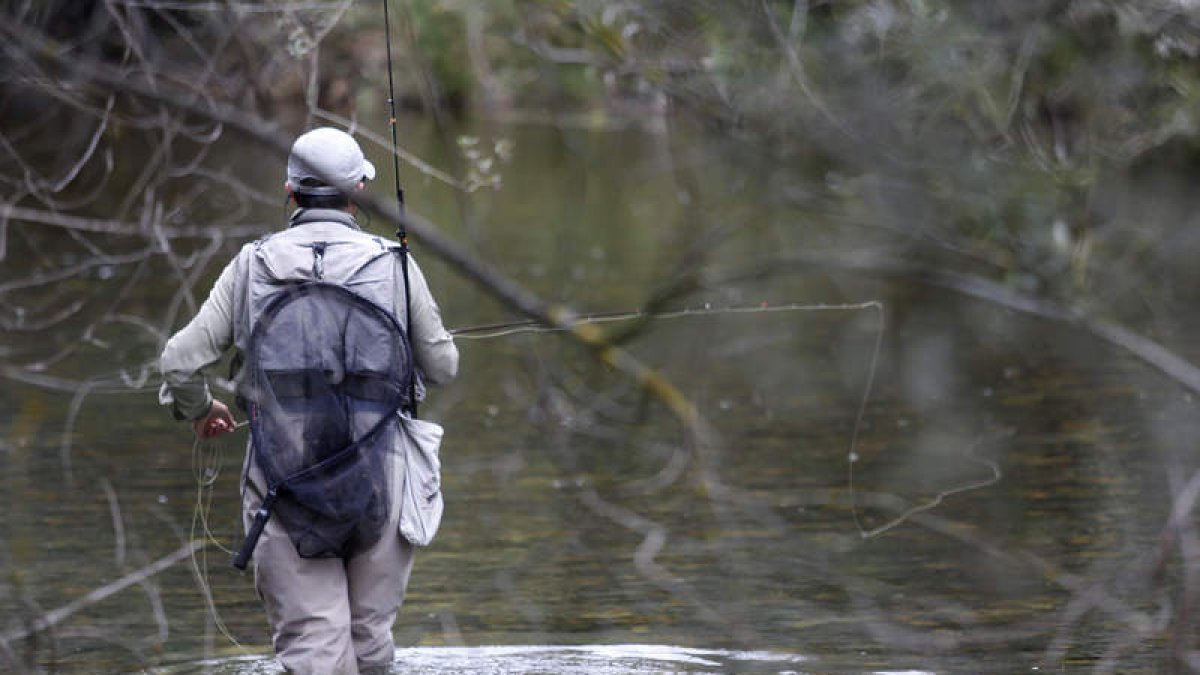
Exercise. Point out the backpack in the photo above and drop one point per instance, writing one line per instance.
(326, 373)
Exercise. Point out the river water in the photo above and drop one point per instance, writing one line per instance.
(897, 479)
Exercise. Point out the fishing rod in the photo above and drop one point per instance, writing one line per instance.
(401, 230)
(494, 330)
(401, 233)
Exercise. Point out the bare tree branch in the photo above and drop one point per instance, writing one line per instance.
(488, 278)
(56, 616)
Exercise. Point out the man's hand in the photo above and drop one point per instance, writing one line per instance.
(218, 421)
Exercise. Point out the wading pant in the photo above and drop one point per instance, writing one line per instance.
(330, 616)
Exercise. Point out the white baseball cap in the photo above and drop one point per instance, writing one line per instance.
(330, 157)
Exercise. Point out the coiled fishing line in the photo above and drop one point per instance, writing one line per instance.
(208, 460)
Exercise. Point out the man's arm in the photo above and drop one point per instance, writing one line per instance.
(433, 346)
(196, 346)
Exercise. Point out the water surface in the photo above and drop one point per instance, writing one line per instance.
(993, 502)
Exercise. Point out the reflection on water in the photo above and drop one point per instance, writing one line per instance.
(633, 659)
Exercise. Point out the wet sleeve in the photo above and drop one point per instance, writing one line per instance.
(433, 346)
(197, 346)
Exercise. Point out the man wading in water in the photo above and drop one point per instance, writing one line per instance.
(328, 381)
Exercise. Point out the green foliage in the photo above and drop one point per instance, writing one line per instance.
(1005, 126)
(965, 132)
(437, 31)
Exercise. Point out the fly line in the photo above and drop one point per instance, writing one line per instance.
(906, 512)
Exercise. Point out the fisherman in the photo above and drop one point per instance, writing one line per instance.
(327, 614)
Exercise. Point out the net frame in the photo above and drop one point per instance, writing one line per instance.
(368, 449)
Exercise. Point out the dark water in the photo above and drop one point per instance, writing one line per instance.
(999, 506)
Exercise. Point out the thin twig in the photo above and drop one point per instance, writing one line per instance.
(114, 508)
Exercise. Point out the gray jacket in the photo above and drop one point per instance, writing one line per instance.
(350, 257)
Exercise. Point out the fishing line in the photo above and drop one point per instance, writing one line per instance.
(852, 451)
(489, 331)
(852, 459)
(495, 330)
(208, 460)
(933, 502)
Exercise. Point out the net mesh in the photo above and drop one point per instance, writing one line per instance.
(326, 371)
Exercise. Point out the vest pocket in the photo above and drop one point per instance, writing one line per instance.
(421, 501)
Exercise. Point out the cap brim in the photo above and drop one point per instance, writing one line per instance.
(368, 170)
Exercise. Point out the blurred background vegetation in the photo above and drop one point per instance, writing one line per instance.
(1046, 144)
